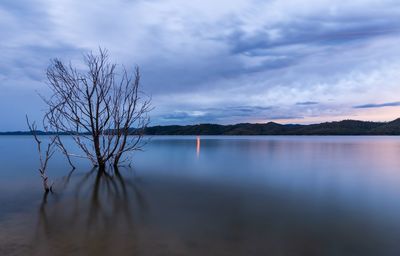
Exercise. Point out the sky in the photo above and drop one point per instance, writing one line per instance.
(208, 61)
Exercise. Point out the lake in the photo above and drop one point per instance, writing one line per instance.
(216, 195)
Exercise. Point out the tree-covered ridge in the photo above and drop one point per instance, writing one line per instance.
(345, 127)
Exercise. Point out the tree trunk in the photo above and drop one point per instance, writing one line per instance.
(100, 160)
(116, 160)
(46, 185)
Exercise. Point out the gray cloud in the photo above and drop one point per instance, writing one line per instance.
(226, 115)
(307, 103)
(314, 33)
(371, 105)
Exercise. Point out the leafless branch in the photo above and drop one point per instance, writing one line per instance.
(43, 157)
(101, 108)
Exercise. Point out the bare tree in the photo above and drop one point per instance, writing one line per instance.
(43, 157)
(101, 108)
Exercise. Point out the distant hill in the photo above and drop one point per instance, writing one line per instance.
(345, 127)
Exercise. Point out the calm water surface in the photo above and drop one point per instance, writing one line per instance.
(215, 196)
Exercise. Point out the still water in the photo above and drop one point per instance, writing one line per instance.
(215, 195)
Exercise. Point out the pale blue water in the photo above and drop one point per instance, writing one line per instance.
(255, 195)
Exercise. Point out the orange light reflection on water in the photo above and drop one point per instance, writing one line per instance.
(198, 146)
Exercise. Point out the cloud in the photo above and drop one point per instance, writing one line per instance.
(307, 103)
(226, 115)
(216, 114)
(388, 104)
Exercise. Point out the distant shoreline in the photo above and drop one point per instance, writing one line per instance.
(343, 128)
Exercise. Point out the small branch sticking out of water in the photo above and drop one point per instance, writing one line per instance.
(44, 158)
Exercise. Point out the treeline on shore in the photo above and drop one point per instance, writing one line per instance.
(345, 127)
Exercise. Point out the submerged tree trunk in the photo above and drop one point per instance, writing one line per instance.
(46, 186)
(116, 160)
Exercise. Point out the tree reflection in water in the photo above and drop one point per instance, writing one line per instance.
(91, 215)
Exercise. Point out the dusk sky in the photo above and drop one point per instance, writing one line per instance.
(214, 61)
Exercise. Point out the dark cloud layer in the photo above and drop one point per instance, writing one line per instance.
(306, 103)
(388, 104)
(225, 115)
